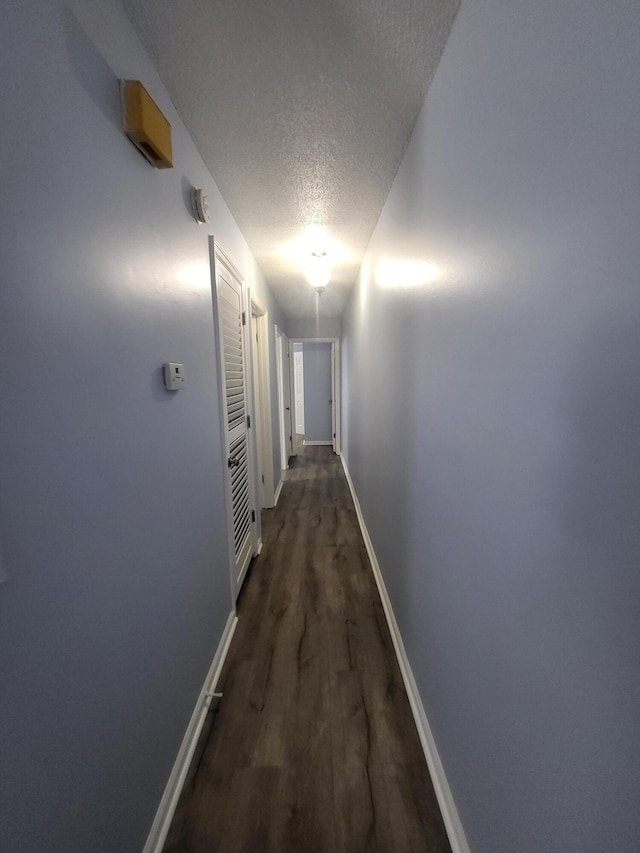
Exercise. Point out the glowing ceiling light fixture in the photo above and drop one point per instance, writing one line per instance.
(318, 277)
(318, 272)
(315, 241)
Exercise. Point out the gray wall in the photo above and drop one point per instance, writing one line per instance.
(492, 419)
(317, 392)
(325, 327)
(112, 526)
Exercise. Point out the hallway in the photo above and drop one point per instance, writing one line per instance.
(313, 748)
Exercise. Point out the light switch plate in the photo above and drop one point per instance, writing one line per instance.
(173, 376)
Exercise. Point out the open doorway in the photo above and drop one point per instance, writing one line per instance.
(315, 391)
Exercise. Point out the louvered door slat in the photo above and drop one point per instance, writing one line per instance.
(232, 348)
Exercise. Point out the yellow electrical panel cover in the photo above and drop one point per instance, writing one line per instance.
(145, 125)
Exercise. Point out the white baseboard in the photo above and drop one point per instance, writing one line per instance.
(448, 809)
(162, 821)
(317, 443)
(277, 493)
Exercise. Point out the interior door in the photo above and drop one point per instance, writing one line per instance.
(298, 390)
(232, 342)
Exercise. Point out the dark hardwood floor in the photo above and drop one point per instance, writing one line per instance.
(313, 748)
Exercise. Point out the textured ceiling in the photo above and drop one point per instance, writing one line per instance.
(302, 110)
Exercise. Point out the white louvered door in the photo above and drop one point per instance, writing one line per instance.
(231, 337)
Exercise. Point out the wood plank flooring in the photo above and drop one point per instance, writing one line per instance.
(313, 748)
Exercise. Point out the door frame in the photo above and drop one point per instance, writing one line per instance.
(292, 396)
(258, 321)
(336, 414)
(214, 252)
(282, 369)
(298, 358)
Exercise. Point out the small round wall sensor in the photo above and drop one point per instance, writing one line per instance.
(200, 204)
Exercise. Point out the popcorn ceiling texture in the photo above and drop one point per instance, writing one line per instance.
(302, 111)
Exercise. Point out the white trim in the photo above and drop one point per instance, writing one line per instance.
(337, 396)
(288, 411)
(259, 323)
(292, 397)
(297, 392)
(278, 490)
(253, 435)
(447, 805)
(216, 252)
(312, 443)
(335, 385)
(335, 390)
(280, 400)
(282, 352)
(162, 821)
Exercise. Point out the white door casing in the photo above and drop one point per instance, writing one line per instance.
(292, 399)
(284, 398)
(231, 327)
(286, 387)
(298, 386)
(333, 393)
(261, 371)
(257, 408)
(335, 383)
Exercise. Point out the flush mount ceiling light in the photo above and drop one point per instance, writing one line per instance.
(314, 243)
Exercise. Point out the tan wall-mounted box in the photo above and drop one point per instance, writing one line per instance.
(145, 125)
